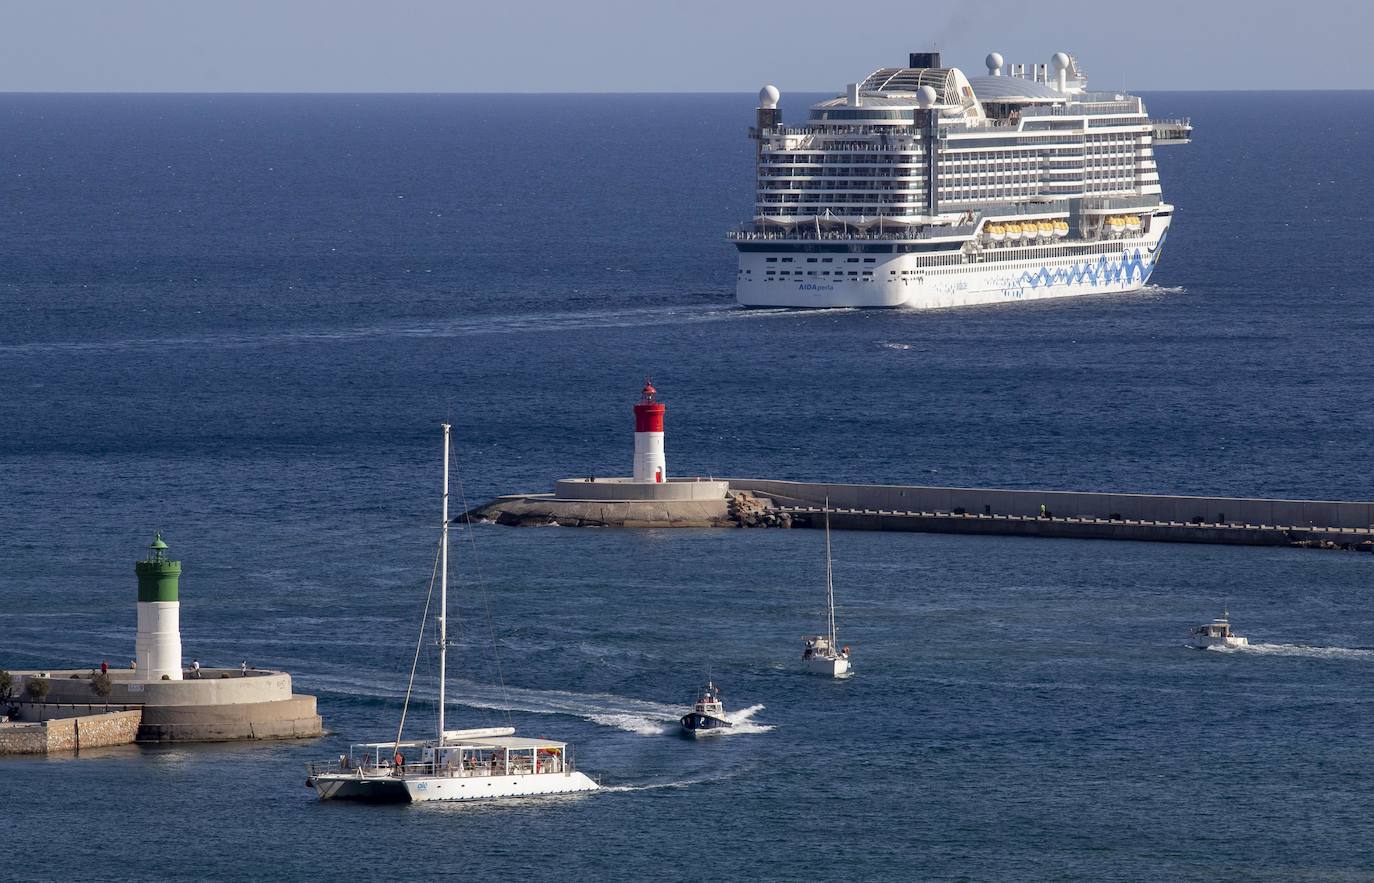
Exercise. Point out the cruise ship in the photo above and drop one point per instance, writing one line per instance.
(922, 187)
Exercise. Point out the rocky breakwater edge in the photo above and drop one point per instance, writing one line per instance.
(735, 509)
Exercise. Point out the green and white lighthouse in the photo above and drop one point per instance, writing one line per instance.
(158, 645)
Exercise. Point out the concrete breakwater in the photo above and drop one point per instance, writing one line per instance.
(1084, 515)
(91, 728)
(219, 706)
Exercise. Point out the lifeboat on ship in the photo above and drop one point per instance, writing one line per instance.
(1116, 225)
(1013, 232)
(996, 232)
(1133, 223)
(1061, 228)
(1045, 229)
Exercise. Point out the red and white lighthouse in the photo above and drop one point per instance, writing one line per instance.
(650, 464)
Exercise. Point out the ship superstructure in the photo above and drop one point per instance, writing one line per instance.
(922, 187)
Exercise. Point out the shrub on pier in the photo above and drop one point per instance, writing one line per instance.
(37, 689)
(101, 684)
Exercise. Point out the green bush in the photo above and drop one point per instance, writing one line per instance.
(37, 688)
(101, 684)
(6, 686)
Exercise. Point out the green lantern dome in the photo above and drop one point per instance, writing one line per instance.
(157, 575)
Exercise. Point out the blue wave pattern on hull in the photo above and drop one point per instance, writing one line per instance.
(1100, 272)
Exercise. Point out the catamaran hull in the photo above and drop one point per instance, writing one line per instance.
(368, 789)
(426, 788)
(417, 789)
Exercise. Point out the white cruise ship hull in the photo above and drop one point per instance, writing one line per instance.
(897, 280)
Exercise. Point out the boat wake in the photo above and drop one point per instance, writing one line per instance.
(1299, 650)
(744, 723)
(654, 786)
(514, 323)
(1165, 289)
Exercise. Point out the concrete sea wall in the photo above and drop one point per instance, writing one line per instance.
(70, 732)
(220, 706)
(1066, 514)
(1075, 504)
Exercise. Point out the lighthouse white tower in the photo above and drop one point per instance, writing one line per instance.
(157, 646)
(650, 464)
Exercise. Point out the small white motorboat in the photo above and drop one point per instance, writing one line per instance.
(821, 653)
(707, 717)
(1217, 633)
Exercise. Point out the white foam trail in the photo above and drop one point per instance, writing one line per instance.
(629, 317)
(896, 346)
(632, 715)
(1301, 650)
(633, 723)
(1162, 289)
(685, 783)
(743, 722)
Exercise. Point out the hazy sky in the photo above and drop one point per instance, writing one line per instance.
(615, 46)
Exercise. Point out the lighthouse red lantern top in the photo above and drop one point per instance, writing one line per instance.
(649, 411)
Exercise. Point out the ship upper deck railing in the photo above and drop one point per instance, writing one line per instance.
(518, 763)
(751, 233)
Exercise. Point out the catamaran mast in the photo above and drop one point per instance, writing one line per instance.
(829, 581)
(443, 591)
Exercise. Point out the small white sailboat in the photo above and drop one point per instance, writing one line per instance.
(822, 653)
(472, 764)
(1217, 633)
(707, 717)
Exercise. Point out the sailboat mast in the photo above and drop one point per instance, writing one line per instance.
(829, 580)
(443, 591)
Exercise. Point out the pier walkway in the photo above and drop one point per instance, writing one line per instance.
(1083, 515)
(1070, 526)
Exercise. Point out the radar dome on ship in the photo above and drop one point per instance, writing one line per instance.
(768, 96)
(925, 97)
(994, 63)
(1060, 61)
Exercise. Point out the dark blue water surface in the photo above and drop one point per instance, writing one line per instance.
(240, 320)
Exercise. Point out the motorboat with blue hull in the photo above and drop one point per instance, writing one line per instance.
(707, 717)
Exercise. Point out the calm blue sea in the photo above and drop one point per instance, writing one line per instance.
(241, 319)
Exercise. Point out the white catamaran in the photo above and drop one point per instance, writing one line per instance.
(471, 764)
(821, 655)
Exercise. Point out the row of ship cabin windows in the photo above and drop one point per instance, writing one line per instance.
(1014, 255)
(887, 178)
(822, 260)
